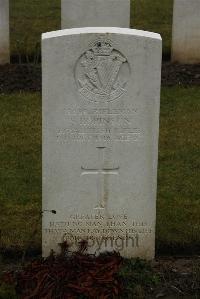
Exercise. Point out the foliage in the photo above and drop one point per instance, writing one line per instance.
(76, 275)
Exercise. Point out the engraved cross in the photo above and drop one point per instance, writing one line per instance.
(102, 175)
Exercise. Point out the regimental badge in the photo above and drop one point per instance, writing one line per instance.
(102, 72)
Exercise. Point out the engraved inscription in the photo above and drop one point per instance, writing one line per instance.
(100, 125)
(101, 172)
(98, 135)
(102, 72)
(102, 231)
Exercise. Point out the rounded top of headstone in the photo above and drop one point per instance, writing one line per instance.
(103, 30)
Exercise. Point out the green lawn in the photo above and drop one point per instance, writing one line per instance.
(20, 167)
(178, 221)
(30, 18)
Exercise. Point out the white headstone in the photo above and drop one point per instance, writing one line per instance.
(186, 31)
(101, 96)
(4, 32)
(95, 13)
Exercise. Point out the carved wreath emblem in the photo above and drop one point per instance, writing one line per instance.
(102, 72)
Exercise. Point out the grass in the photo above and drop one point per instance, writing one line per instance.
(178, 222)
(137, 277)
(179, 163)
(7, 292)
(31, 18)
(20, 168)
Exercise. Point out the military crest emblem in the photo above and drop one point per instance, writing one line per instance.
(102, 72)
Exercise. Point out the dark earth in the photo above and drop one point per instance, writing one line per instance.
(27, 77)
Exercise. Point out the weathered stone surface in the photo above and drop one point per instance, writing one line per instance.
(95, 13)
(101, 95)
(186, 31)
(4, 32)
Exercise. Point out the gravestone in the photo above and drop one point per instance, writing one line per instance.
(4, 32)
(95, 13)
(101, 95)
(186, 31)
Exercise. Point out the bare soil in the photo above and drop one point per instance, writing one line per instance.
(180, 277)
(15, 77)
